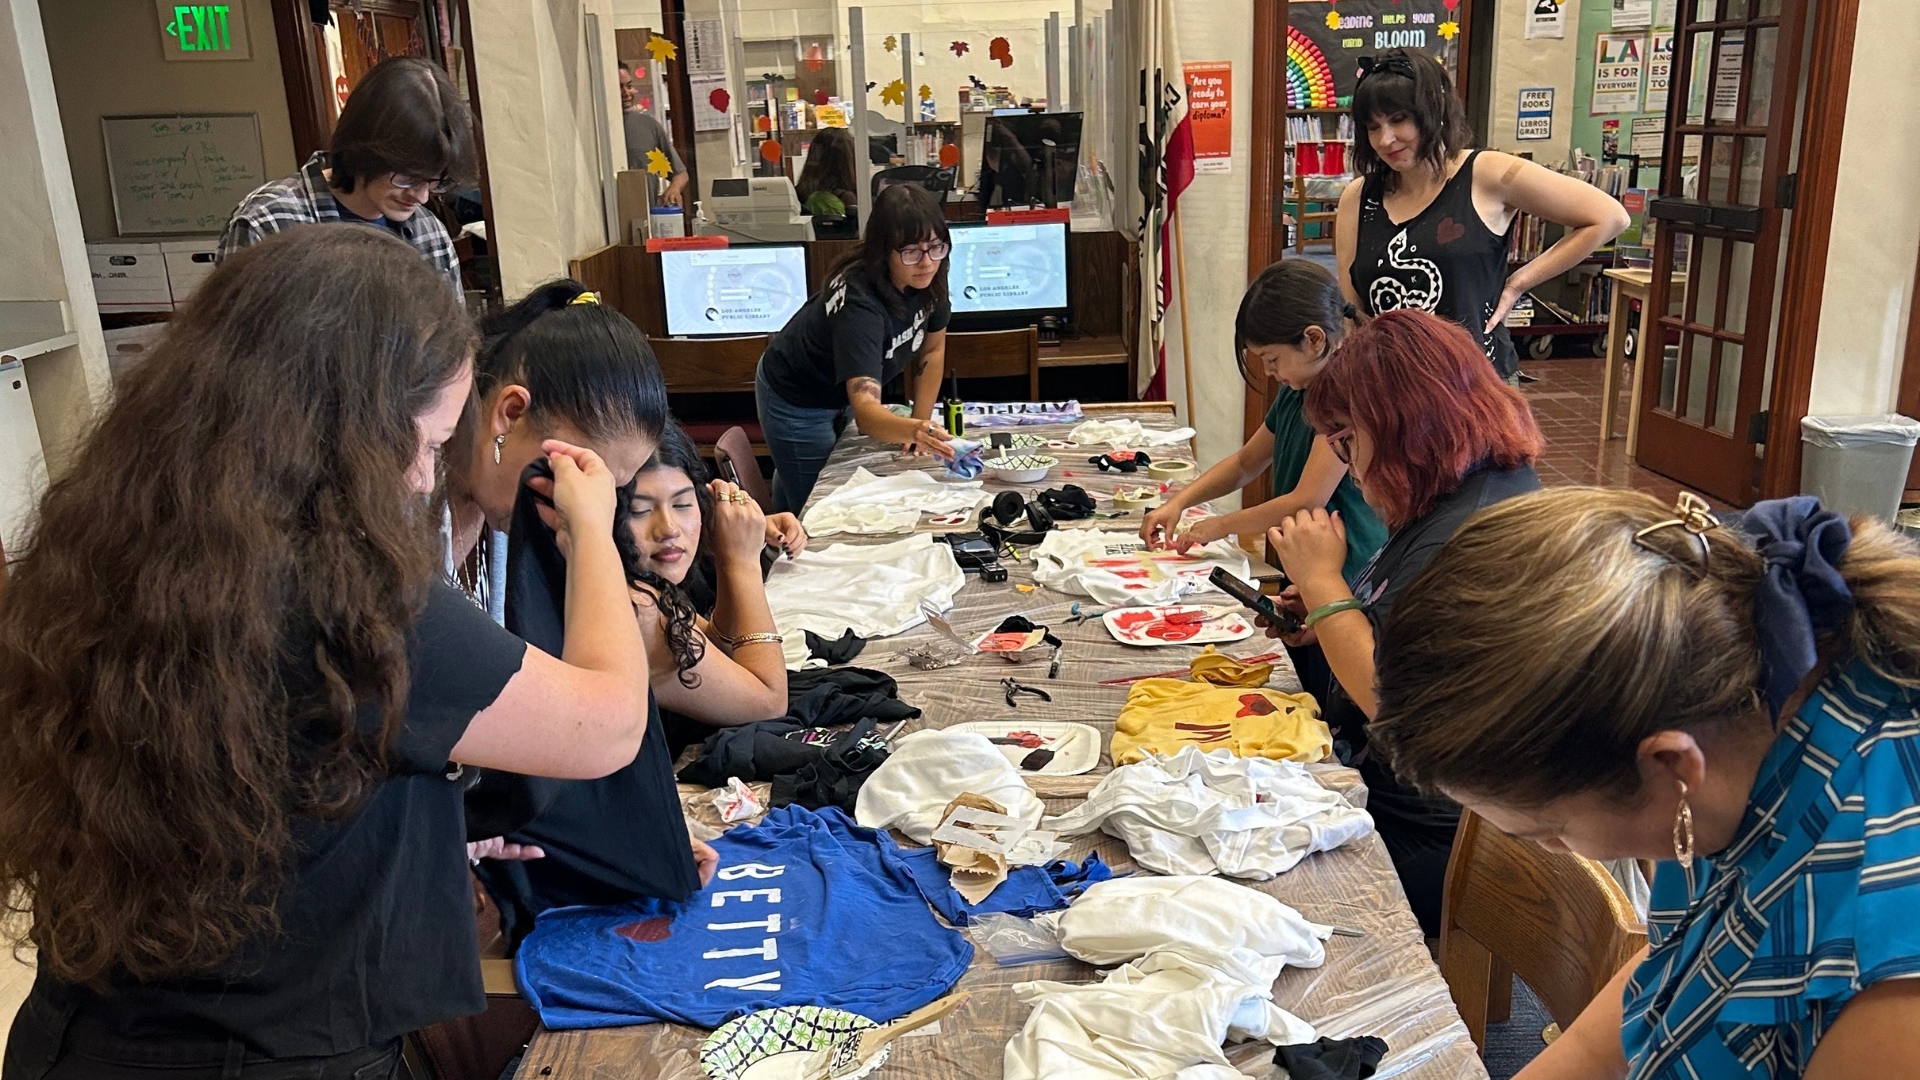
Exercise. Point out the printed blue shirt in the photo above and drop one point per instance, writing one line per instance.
(1757, 951)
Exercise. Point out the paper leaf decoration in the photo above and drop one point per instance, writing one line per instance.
(926, 92)
(1000, 49)
(959, 48)
(895, 93)
(661, 49)
(763, 123)
(821, 97)
(770, 150)
(816, 58)
(1333, 20)
(719, 99)
(949, 156)
(657, 163)
(892, 43)
(1448, 29)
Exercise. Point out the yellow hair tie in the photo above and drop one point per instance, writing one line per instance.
(584, 298)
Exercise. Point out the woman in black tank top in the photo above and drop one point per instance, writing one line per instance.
(1425, 225)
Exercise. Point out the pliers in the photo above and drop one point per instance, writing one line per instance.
(1015, 686)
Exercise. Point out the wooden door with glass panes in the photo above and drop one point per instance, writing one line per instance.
(1732, 118)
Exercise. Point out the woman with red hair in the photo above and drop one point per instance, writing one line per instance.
(1431, 433)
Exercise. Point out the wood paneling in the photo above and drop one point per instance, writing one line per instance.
(1908, 403)
(303, 71)
(1266, 195)
(1100, 282)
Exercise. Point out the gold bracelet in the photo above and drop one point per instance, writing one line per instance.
(762, 638)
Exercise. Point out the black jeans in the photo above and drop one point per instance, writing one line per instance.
(49, 1042)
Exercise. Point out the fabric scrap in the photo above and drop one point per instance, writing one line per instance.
(1117, 569)
(1028, 890)
(929, 769)
(1332, 1059)
(1125, 433)
(1196, 813)
(836, 651)
(873, 590)
(1164, 716)
(881, 504)
(1216, 667)
(967, 458)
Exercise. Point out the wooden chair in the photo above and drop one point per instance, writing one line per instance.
(996, 354)
(1511, 907)
(734, 447)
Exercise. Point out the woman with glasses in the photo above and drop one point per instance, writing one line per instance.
(403, 137)
(884, 310)
(1431, 433)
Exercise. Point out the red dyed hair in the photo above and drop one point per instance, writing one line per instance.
(1432, 404)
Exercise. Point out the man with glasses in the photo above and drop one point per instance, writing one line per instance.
(403, 137)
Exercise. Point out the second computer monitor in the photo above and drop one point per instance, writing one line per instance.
(1030, 160)
(752, 289)
(1007, 275)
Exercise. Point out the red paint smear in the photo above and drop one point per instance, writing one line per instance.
(1254, 705)
(647, 931)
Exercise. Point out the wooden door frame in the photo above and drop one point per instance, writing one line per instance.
(1829, 73)
(673, 14)
(304, 72)
(1907, 403)
(1266, 193)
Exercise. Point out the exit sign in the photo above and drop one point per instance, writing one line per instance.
(204, 31)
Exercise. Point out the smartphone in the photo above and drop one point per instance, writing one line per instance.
(1257, 601)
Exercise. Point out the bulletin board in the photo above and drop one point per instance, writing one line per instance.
(181, 174)
(1325, 42)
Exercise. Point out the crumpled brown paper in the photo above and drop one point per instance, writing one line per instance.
(975, 872)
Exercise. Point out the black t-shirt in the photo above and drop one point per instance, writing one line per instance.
(844, 331)
(377, 932)
(1379, 583)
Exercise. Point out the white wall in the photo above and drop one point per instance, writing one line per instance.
(1520, 62)
(1876, 220)
(543, 150)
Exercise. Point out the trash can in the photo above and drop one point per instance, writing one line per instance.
(1857, 464)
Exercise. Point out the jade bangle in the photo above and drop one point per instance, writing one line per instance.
(1335, 608)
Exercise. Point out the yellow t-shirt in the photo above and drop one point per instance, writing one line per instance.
(1163, 715)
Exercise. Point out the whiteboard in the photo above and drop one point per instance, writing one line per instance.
(180, 174)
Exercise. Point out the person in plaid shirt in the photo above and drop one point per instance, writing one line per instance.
(404, 135)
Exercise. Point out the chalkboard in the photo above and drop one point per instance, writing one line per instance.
(180, 174)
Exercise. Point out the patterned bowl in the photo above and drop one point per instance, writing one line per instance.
(1020, 468)
(777, 1044)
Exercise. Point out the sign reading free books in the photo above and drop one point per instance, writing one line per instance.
(204, 31)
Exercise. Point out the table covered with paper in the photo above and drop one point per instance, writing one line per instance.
(1374, 977)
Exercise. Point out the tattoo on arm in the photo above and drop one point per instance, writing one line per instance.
(863, 386)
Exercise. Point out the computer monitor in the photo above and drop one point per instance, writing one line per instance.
(749, 289)
(1030, 159)
(1007, 275)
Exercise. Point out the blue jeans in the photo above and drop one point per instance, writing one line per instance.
(799, 440)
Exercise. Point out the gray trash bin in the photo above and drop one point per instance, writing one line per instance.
(1857, 464)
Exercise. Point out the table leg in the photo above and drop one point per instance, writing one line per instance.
(1617, 314)
(1646, 346)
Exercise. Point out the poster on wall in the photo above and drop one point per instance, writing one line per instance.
(1648, 133)
(706, 47)
(1548, 19)
(1632, 14)
(1659, 69)
(1663, 13)
(1726, 80)
(1210, 114)
(1617, 63)
(1535, 120)
(1326, 41)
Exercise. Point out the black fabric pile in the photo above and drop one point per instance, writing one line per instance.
(806, 763)
(1069, 502)
(836, 651)
(1332, 1059)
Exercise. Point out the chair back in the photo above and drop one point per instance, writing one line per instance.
(735, 448)
(996, 354)
(1558, 921)
(933, 178)
(708, 366)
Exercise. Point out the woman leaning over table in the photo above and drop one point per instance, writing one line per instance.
(1740, 700)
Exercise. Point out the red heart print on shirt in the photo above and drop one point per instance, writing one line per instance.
(1254, 705)
(1449, 230)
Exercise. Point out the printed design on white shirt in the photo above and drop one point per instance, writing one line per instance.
(917, 332)
(1406, 283)
(837, 294)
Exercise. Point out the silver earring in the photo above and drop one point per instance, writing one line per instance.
(498, 442)
(1683, 831)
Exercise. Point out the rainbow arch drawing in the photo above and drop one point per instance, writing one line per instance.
(1309, 79)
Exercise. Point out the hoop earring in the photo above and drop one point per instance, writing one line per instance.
(1683, 831)
(498, 442)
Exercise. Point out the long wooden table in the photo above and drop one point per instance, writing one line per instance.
(1382, 983)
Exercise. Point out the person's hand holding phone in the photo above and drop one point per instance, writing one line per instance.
(1289, 603)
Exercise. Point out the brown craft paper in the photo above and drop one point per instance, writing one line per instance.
(976, 873)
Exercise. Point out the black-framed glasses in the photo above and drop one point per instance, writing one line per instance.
(911, 256)
(1341, 441)
(439, 185)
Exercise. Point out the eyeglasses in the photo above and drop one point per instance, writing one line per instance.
(439, 185)
(911, 256)
(1341, 442)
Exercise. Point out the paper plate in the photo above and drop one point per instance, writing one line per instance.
(774, 1044)
(1176, 624)
(1076, 747)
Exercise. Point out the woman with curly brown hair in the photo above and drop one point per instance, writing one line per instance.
(236, 699)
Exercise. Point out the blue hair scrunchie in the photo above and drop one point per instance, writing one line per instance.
(1802, 593)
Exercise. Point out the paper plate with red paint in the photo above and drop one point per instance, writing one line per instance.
(1177, 624)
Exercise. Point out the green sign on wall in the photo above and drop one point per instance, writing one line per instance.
(204, 31)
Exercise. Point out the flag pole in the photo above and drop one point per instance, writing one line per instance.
(1186, 338)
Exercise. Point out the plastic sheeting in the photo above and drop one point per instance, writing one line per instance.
(1382, 983)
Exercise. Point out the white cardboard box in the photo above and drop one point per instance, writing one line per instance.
(129, 277)
(188, 263)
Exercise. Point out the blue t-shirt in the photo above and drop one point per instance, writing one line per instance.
(807, 909)
(1028, 890)
(1755, 953)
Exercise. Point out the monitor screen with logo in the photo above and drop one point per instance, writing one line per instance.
(752, 289)
(1000, 269)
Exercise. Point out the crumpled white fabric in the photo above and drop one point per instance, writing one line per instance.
(1195, 813)
(882, 504)
(1123, 919)
(1125, 433)
(873, 590)
(1165, 1016)
(929, 769)
(1061, 562)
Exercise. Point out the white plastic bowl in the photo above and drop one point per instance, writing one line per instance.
(1020, 468)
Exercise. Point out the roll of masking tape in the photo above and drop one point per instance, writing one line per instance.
(1136, 498)
(1171, 470)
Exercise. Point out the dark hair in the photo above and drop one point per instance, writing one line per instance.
(903, 215)
(207, 638)
(582, 363)
(1432, 404)
(1285, 299)
(1406, 82)
(403, 116)
(684, 641)
(829, 166)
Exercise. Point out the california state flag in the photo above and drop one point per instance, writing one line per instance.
(1166, 168)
